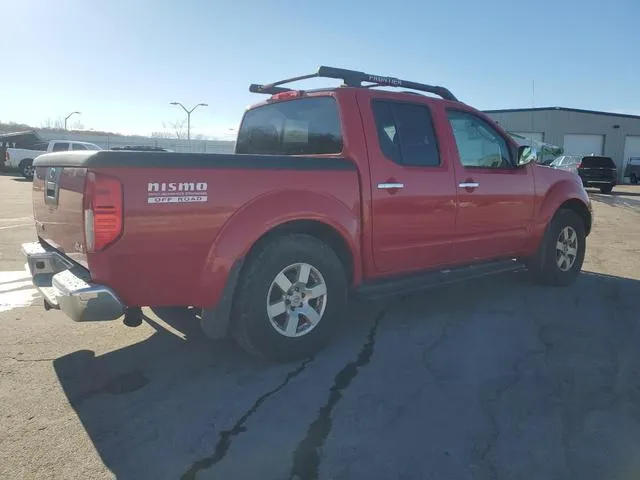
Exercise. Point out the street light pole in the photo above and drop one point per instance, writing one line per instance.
(67, 118)
(189, 117)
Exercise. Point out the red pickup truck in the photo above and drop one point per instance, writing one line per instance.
(330, 191)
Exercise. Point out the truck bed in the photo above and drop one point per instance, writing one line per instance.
(176, 205)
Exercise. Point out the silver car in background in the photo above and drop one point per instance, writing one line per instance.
(567, 162)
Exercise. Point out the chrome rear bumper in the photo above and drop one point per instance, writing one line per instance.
(65, 286)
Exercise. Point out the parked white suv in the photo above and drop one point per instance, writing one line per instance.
(22, 158)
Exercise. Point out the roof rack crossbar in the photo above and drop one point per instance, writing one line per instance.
(353, 78)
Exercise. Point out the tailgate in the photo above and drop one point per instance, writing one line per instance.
(598, 173)
(58, 208)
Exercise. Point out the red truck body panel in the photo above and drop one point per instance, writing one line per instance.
(182, 253)
(172, 255)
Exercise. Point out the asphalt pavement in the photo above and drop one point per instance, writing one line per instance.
(488, 379)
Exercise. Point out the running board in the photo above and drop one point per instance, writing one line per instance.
(422, 281)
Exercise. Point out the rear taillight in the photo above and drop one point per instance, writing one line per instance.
(580, 165)
(103, 211)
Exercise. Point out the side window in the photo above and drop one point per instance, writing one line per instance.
(60, 147)
(406, 134)
(78, 146)
(479, 145)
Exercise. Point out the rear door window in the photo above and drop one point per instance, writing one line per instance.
(598, 162)
(60, 147)
(406, 134)
(78, 146)
(305, 126)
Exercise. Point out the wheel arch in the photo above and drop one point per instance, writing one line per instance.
(271, 215)
(217, 318)
(315, 228)
(578, 207)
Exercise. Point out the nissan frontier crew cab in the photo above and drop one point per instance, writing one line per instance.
(352, 189)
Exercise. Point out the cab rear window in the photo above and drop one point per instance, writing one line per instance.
(305, 126)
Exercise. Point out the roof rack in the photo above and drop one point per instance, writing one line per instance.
(353, 78)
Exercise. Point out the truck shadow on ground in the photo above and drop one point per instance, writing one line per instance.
(618, 199)
(172, 405)
(9, 173)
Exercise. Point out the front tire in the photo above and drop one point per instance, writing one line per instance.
(27, 169)
(290, 298)
(561, 254)
(606, 189)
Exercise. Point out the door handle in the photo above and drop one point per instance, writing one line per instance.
(469, 185)
(390, 186)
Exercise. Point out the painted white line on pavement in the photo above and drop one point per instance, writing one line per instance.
(16, 290)
(16, 226)
(14, 276)
(16, 219)
(7, 287)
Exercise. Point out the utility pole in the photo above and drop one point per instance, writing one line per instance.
(189, 117)
(67, 118)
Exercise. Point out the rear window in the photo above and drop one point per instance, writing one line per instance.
(598, 162)
(306, 126)
(60, 147)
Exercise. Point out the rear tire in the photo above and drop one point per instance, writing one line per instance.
(606, 189)
(561, 254)
(27, 169)
(279, 284)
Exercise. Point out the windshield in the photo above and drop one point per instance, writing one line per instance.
(307, 126)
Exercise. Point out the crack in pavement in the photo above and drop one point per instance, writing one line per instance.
(226, 436)
(577, 401)
(489, 400)
(306, 457)
(30, 359)
(428, 351)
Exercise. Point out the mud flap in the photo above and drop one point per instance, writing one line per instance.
(215, 321)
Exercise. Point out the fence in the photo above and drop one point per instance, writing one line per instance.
(176, 145)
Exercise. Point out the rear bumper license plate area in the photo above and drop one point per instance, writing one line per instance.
(66, 286)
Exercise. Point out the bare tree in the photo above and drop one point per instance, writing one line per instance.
(78, 125)
(162, 134)
(177, 129)
(57, 124)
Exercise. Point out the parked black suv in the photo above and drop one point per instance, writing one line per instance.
(600, 172)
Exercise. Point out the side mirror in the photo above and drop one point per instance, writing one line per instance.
(526, 154)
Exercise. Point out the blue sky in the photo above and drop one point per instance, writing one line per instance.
(122, 62)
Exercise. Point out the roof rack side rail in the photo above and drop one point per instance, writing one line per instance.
(272, 88)
(353, 78)
(257, 88)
